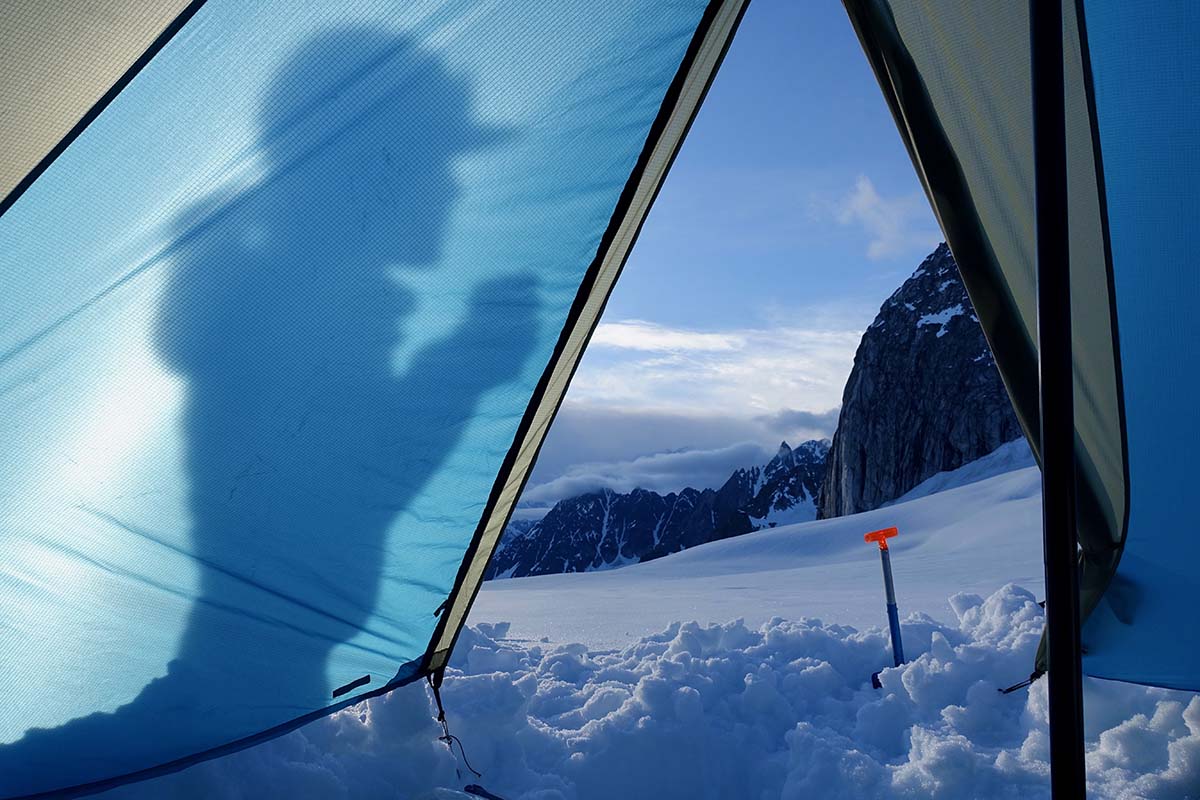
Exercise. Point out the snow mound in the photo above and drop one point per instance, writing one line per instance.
(762, 707)
(781, 710)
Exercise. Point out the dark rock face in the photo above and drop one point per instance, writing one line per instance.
(607, 529)
(924, 395)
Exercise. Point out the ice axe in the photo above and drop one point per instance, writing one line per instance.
(889, 588)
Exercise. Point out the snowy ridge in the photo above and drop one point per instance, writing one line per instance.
(605, 529)
(1006, 458)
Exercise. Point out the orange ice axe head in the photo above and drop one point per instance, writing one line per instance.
(881, 536)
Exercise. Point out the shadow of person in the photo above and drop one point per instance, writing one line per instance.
(303, 443)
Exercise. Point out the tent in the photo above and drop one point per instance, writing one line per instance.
(1059, 145)
(286, 317)
(291, 299)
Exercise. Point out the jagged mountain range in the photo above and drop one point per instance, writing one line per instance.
(604, 528)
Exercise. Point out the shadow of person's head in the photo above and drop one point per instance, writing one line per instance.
(359, 131)
(363, 127)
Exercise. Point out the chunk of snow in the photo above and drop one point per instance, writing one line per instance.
(784, 709)
(802, 511)
(760, 707)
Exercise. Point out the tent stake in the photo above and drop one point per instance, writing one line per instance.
(1057, 425)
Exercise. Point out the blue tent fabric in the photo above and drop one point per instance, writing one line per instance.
(273, 324)
(1146, 74)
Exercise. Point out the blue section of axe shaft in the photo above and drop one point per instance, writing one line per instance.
(893, 612)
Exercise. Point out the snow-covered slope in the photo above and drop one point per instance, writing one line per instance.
(643, 683)
(1008, 457)
(974, 538)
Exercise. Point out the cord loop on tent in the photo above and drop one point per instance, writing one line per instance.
(435, 683)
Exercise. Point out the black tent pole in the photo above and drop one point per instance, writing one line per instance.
(1067, 776)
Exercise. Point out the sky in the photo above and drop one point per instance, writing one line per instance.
(791, 213)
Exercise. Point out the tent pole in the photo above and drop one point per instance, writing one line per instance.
(1060, 547)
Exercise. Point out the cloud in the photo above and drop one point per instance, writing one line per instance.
(803, 420)
(638, 335)
(658, 472)
(895, 225)
(665, 407)
(591, 447)
(739, 373)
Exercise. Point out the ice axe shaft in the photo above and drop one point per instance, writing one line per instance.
(889, 588)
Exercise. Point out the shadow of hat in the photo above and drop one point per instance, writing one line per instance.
(341, 76)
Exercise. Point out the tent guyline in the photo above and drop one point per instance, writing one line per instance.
(447, 738)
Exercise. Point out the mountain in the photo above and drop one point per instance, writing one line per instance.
(923, 397)
(785, 490)
(605, 529)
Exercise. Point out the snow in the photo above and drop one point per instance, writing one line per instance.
(1007, 457)
(972, 538)
(801, 511)
(760, 480)
(708, 674)
(506, 574)
(941, 318)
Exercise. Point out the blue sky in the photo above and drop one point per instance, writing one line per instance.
(793, 120)
(790, 215)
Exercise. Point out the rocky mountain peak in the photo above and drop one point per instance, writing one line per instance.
(923, 396)
(782, 460)
(813, 450)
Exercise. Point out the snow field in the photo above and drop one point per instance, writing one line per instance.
(783, 710)
(980, 531)
(596, 690)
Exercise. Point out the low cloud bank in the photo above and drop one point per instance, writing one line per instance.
(591, 447)
(632, 364)
(661, 472)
